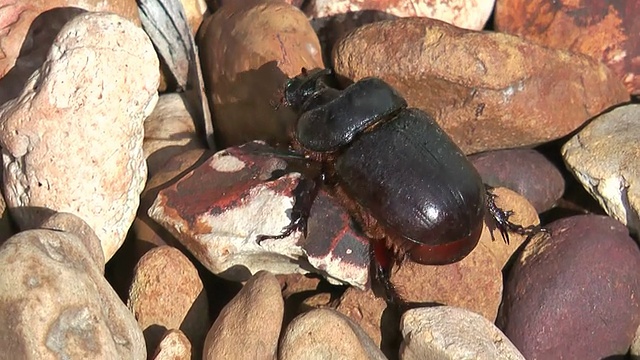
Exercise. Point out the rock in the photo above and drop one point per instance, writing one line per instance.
(29, 29)
(173, 346)
(373, 316)
(166, 294)
(249, 49)
(7, 229)
(445, 332)
(168, 131)
(195, 11)
(525, 171)
(72, 224)
(523, 214)
(572, 26)
(55, 157)
(248, 327)
(463, 14)
(487, 90)
(603, 156)
(578, 286)
(326, 334)
(220, 209)
(56, 303)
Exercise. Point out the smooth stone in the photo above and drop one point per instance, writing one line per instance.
(56, 304)
(580, 286)
(605, 157)
(72, 141)
(445, 332)
(326, 334)
(174, 346)
(167, 293)
(525, 171)
(487, 90)
(248, 327)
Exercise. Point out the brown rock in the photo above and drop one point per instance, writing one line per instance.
(168, 131)
(487, 90)
(326, 334)
(474, 283)
(7, 228)
(578, 286)
(72, 141)
(56, 304)
(167, 293)
(28, 29)
(525, 171)
(173, 346)
(606, 31)
(195, 11)
(249, 49)
(248, 327)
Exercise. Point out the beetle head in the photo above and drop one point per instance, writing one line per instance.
(300, 88)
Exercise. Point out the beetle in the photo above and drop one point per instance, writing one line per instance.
(400, 175)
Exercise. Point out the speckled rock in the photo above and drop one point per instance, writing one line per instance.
(525, 171)
(445, 332)
(56, 304)
(54, 152)
(487, 90)
(248, 327)
(28, 29)
(605, 158)
(326, 334)
(173, 346)
(606, 31)
(167, 293)
(579, 286)
(168, 131)
(249, 49)
(464, 14)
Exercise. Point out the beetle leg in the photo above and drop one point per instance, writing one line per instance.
(306, 192)
(503, 223)
(381, 264)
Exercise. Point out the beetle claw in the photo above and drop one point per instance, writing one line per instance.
(503, 223)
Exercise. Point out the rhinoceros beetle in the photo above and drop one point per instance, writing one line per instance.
(400, 175)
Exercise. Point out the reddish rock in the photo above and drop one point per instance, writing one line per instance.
(608, 31)
(487, 90)
(249, 49)
(578, 286)
(173, 346)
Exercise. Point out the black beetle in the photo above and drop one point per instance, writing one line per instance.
(399, 173)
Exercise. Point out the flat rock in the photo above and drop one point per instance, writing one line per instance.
(605, 158)
(167, 293)
(445, 332)
(248, 327)
(326, 334)
(487, 90)
(579, 286)
(220, 210)
(55, 157)
(56, 304)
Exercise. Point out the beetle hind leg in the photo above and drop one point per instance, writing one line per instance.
(503, 223)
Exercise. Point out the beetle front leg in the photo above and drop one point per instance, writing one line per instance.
(503, 223)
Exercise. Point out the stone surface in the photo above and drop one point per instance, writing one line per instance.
(578, 286)
(56, 304)
(445, 332)
(28, 28)
(249, 325)
(487, 90)
(167, 293)
(7, 228)
(326, 334)
(173, 346)
(606, 31)
(605, 157)
(168, 131)
(221, 208)
(249, 49)
(464, 14)
(525, 171)
(55, 157)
